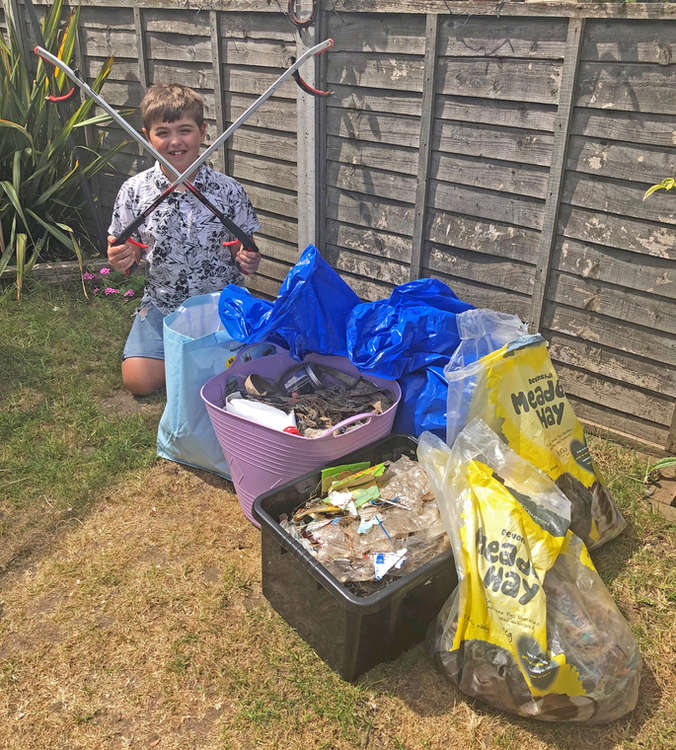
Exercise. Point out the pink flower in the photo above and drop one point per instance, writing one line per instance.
(110, 290)
(104, 271)
(129, 293)
(88, 276)
(96, 289)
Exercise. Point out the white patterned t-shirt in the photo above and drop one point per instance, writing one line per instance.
(185, 255)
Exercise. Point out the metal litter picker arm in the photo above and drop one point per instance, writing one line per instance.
(246, 241)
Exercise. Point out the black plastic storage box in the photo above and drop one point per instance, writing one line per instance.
(351, 633)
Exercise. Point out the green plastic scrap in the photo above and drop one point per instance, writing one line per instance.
(363, 495)
(329, 473)
(364, 476)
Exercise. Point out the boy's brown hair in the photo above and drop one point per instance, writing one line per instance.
(168, 102)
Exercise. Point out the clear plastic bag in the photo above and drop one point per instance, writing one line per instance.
(530, 629)
(516, 391)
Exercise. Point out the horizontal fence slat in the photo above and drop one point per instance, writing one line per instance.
(620, 232)
(277, 227)
(514, 209)
(346, 261)
(252, 26)
(543, 8)
(622, 335)
(623, 304)
(529, 116)
(274, 114)
(372, 154)
(259, 142)
(614, 395)
(397, 187)
(399, 72)
(486, 269)
(274, 200)
(502, 37)
(483, 235)
(382, 33)
(624, 161)
(377, 128)
(620, 424)
(629, 42)
(634, 127)
(517, 80)
(368, 240)
(636, 88)
(374, 101)
(480, 295)
(180, 47)
(617, 197)
(509, 144)
(652, 274)
(369, 211)
(489, 173)
(610, 363)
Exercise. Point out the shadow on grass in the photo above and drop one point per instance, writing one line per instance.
(614, 556)
(213, 480)
(28, 532)
(21, 367)
(414, 679)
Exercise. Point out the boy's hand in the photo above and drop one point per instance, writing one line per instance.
(248, 260)
(122, 257)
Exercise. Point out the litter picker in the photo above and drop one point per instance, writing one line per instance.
(182, 178)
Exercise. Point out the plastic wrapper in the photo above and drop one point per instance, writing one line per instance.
(516, 391)
(530, 629)
(408, 531)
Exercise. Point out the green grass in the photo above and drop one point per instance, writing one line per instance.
(61, 361)
(148, 622)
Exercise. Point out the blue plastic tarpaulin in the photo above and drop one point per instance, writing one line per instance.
(409, 336)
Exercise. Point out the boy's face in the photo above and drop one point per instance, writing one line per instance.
(178, 141)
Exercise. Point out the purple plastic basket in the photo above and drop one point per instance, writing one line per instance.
(261, 458)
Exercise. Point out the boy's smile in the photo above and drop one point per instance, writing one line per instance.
(178, 141)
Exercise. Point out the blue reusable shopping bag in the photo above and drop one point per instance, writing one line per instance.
(196, 348)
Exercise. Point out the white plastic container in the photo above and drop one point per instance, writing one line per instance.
(260, 413)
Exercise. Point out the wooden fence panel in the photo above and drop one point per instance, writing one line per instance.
(612, 285)
(504, 151)
(493, 211)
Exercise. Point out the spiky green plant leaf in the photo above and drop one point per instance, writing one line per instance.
(43, 154)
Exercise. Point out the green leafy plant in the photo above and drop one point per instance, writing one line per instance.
(668, 183)
(669, 462)
(42, 152)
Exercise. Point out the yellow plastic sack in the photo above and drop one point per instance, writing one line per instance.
(516, 391)
(530, 629)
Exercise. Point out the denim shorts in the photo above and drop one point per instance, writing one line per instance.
(146, 338)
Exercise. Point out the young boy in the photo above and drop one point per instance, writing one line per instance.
(185, 255)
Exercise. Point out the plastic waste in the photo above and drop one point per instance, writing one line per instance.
(261, 413)
(373, 522)
(481, 332)
(530, 629)
(516, 391)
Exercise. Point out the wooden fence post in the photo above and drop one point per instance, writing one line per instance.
(556, 170)
(142, 69)
(219, 91)
(306, 144)
(425, 145)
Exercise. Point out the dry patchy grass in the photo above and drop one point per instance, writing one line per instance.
(142, 625)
